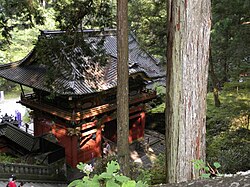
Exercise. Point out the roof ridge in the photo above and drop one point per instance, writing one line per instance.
(86, 31)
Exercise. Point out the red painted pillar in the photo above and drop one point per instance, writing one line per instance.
(143, 120)
(74, 152)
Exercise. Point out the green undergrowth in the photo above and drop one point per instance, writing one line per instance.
(12, 90)
(154, 175)
(4, 158)
(111, 177)
(228, 128)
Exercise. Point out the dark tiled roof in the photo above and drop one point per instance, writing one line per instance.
(84, 76)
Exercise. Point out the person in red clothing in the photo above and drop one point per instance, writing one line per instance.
(12, 183)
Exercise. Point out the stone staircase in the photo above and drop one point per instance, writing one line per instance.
(46, 159)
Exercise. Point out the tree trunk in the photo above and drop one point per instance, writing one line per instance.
(122, 86)
(187, 71)
(215, 82)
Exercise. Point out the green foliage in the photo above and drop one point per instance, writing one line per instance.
(12, 90)
(237, 86)
(231, 149)
(235, 98)
(4, 158)
(158, 170)
(110, 178)
(6, 85)
(18, 14)
(228, 128)
(158, 105)
(229, 38)
(21, 45)
(148, 21)
(158, 109)
(144, 175)
(23, 38)
(101, 163)
(26, 16)
(26, 117)
(155, 174)
(160, 90)
(206, 171)
(137, 173)
(72, 15)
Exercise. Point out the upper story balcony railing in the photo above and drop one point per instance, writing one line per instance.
(31, 101)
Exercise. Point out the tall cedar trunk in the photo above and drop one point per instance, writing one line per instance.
(215, 81)
(187, 71)
(122, 86)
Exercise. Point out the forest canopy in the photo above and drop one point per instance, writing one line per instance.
(20, 22)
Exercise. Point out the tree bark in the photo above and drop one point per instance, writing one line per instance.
(187, 71)
(122, 86)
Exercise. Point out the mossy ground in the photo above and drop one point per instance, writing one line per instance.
(228, 128)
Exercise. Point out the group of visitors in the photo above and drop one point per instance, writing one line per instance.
(12, 182)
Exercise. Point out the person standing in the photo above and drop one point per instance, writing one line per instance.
(26, 127)
(12, 183)
(21, 184)
(106, 149)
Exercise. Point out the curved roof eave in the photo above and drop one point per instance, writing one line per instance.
(141, 63)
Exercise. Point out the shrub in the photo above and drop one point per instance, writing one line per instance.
(231, 149)
(4, 158)
(110, 178)
(156, 173)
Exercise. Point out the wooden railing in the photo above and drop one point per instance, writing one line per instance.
(29, 96)
(55, 172)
